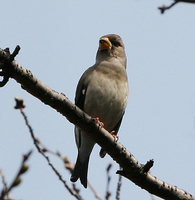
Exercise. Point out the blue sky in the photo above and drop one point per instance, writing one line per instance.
(59, 40)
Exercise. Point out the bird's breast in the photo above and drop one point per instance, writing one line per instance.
(106, 98)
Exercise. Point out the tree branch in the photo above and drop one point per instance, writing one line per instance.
(20, 105)
(17, 180)
(131, 168)
(163, 8)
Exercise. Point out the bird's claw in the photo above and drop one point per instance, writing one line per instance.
(101, 124)
(114, 136)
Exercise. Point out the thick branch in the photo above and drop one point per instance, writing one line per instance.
(132, 169)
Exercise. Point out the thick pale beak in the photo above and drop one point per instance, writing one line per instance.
(104, 44)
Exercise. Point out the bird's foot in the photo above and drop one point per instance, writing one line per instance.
(114, 136)
(101, 124)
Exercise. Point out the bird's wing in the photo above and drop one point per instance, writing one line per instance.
(82, 88)
(116, 128)
(80, 98)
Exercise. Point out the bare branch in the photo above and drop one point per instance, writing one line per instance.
(17, 180)
(163, 8)
(132, 169)
(94, 191)
(5, 187)
(108, 193)
(41, 151)
(119, 187)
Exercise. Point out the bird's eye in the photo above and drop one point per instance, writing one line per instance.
(116, 44)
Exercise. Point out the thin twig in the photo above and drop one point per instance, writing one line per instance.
(75, 194)
(94, 191)
(5, 187)
(108, 193)
(69, 167)
(119, 187)
(17, 180)
(163, 8)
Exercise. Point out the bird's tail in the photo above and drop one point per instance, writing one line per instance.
(80, 171)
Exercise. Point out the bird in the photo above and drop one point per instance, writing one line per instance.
(102, 92)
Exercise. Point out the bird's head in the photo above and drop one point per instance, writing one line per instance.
(111, 46)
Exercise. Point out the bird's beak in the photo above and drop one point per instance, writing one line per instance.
(104, 44)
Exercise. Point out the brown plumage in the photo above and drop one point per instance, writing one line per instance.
(102, 92)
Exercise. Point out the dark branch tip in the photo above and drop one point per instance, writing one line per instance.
(19, 103)
(148, 166)
(15, 53)
(121, 172)
(162, 9)
(7, 50)
(109, 167)
(5, 78)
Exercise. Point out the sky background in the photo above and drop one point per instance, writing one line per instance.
(59, 41)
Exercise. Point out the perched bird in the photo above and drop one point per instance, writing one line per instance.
(102, 92)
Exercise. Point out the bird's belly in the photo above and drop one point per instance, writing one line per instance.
(107, 102)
